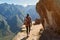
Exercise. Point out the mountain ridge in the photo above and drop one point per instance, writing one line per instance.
(13, 16)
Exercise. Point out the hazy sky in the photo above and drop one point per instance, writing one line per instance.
(20, 2)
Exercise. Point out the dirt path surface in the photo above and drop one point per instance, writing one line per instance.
(34, 33)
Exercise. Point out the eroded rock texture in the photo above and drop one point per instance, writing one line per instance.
(49, 10)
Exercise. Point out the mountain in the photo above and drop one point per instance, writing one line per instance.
(12, 17)
(31, 9)
(4, 29)
(10, 10)
(4, 25)
(16, 24)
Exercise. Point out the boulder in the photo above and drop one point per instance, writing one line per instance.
(49, 10)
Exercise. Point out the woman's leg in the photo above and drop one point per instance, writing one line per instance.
(27, 30)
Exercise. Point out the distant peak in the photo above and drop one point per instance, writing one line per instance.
(5, 3)
(25, 5)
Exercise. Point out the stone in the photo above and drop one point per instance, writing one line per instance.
(49, 10)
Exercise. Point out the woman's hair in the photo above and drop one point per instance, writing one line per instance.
(27, 14)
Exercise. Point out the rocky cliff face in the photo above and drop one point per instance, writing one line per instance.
(49, 10)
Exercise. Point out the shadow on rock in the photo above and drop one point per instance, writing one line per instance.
(25, 38)
(49, 35)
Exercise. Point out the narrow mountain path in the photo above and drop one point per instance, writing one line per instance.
(34, 33)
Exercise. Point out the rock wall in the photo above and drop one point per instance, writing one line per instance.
(49, 10)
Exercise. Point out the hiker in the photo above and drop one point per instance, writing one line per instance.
(27, 22)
